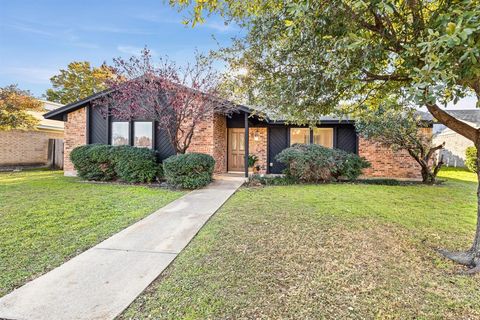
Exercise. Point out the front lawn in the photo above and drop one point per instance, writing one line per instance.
(332, 251)
(46, 218)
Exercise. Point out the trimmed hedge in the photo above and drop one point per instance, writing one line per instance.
(105, 163)
(189, 171)
(471, 158)
(314, 163)
(135, 164)
(94, 162)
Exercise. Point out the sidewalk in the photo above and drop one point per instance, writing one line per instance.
(101, 282)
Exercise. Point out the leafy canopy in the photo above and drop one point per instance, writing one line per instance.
(78, 81)
(307, 58)
(396, 128)
(14, 104)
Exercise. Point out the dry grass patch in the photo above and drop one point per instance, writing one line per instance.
(329, 251)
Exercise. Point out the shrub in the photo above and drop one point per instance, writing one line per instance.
(350, 165)
(471, 158)
(94, 162)
(104, 163)
(314, 163)
(135, 164)
(252, 159)
(189, 171)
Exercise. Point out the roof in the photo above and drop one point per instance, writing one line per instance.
(50, 105)
(471, 115)
(58, 114)
(331, 118)
(468, 115)
(47, 124)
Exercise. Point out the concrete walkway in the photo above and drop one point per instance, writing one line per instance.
(101, 282)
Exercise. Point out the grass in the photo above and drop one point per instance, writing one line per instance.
(46, 218)
(335, 251)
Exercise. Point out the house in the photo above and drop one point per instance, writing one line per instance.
(229, 139)
(455, 144)
(30, 148)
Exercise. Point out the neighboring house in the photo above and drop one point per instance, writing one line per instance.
(29, 148)
(229, 139)
(455, 144)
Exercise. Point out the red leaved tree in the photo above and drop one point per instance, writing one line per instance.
(177, 98)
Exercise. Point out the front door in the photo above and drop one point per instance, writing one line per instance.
(236, 149)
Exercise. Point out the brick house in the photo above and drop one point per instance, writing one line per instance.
(229, 138)
(29, 148)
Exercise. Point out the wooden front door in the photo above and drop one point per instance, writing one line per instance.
(236, 149)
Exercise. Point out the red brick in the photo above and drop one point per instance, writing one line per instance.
(75, 135)
(389, 163)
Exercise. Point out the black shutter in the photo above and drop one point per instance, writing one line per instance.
(277, 141)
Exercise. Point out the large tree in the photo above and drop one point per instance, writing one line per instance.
(178, 98)
(14, 106)
(79, 80)
(307, 57)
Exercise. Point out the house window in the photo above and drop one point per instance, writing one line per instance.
(299, 135)
(143, 135)
(323, 137)
(120, 133)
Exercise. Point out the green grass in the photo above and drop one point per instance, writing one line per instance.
(335, 251)
(46, 218)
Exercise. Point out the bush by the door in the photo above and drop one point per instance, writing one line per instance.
(105, 163)
(189, 171)
(314, 163)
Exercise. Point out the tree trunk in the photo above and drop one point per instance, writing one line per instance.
(427, 175)
(471, 257)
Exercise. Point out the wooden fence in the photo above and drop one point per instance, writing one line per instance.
(55, 153)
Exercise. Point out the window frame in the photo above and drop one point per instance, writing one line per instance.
(128, 133)
(152, 137)
(331, 129)
(309, 139)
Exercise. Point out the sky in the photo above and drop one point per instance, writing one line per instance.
(40, 37)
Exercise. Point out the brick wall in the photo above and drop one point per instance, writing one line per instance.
(75, 135)
(220, 143)
(25, 148)
(210, 137)
(258, 147)
(387, 163)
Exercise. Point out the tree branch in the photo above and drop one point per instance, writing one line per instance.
(387, 77)
(453, 123)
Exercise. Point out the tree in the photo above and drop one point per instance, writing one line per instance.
(177, 98)
(402, 130)
(306, 57)
(14, 104)
(78, 81)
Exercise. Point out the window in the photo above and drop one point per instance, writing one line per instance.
(323, 137)
(120, 133)
(299, 135)
(143, 134)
